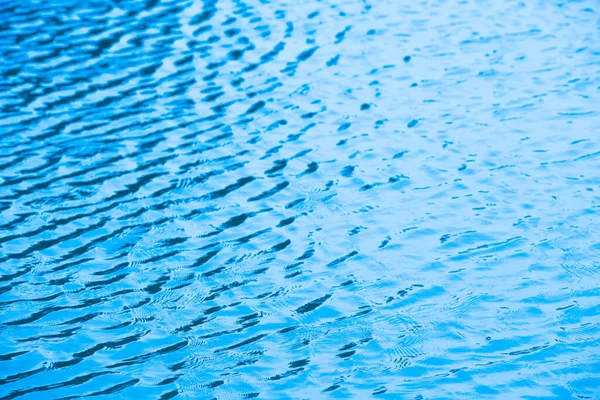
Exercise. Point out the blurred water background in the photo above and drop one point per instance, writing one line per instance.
(299, 199)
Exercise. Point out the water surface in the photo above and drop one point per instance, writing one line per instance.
(272, 199)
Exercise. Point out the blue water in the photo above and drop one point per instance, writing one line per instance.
(314, 199)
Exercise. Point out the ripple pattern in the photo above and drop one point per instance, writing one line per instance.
(273, 199)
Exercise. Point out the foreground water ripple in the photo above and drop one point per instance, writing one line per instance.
(273, 199)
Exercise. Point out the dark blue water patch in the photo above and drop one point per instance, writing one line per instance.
(217, 199)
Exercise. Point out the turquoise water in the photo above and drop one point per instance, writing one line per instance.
(314, 199)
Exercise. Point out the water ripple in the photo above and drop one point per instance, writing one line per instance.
(230, 199)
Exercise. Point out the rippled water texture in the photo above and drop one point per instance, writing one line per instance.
(312, 199)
